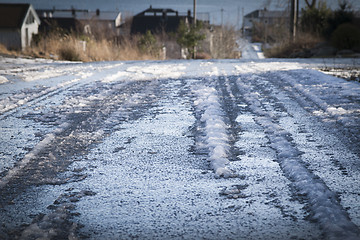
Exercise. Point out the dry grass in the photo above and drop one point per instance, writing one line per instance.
(288, 48)
(104, 50)
(223, 43)
(5, 51)
(70, 47)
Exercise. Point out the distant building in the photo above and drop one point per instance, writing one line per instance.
(81, 20)
(357, 18)
(18, 23)
(158, 20)
(265, 17)
(50, 20)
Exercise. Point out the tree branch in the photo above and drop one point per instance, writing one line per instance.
(312, 5)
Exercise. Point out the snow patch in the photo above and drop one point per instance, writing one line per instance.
(156, 71)
(3, 80)
(115, 76)
(214, 72)
(147, 72)
(261, 67)
(337, 111)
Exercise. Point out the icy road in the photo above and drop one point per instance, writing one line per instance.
(228, 149)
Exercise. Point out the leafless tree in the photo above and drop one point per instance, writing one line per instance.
(310, 5)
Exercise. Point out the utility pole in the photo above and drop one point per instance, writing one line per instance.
(194, 14)
(294, 13)
(194, 23)
(242, 19)
(238, 19)
(222, 17)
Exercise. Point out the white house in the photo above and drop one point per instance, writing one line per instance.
(18, 23)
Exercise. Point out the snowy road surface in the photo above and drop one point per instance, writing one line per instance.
(229, 149)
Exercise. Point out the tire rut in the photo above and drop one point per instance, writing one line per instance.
(83, 129)
(319, 197)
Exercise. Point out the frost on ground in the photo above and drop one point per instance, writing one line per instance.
(211, 149)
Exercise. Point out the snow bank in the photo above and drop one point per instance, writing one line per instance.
(323, 202)
(216, 139)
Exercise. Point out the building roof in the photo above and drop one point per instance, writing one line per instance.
(155, 11)
(157, 20)
(81, 14)
(13, 15)
(266, 14)
(275, 14)
(253, 14)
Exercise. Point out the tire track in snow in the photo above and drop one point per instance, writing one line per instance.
(81, 127)
(260, 187)
(47, 140)
(324, 153)
(322, 107)
(50, 109)
(49, 162)
(346, 131)
(267, 185)
(228, 216)
(19, 99)
(10, 105)
(323, 203)
(111, 75)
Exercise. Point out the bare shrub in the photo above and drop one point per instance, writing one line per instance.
(222, 41)
(69, 53)
(148, 44)
(67, 50)
(314, 20)
(346, 36)
(203, 55)
(94, 45)
(75, 47)
(270, 33)
(5, 51)
(287, 48)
